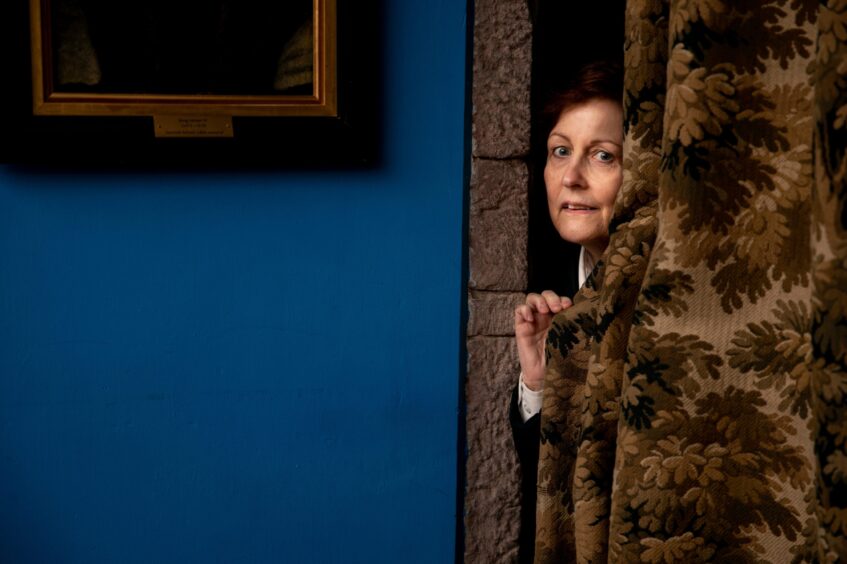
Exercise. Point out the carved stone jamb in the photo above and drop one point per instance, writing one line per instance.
(497, 272)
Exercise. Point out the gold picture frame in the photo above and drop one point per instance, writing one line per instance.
(51, 101)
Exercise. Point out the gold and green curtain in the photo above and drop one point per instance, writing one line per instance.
(695, 406)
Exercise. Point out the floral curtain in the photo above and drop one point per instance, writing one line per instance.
(695, 406)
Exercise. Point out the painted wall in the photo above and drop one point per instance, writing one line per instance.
(243, 367)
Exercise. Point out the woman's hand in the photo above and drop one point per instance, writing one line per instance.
(532, 322)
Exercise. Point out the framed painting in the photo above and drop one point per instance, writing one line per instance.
(191, 83)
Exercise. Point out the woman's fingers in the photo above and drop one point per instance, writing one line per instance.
(523, 314)
(545, 303)
(554, 302)
(538, 303)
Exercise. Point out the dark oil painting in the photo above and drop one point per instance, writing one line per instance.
(191, 47)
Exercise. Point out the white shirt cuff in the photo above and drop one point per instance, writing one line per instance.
(529, 401)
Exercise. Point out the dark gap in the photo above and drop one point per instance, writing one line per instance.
(566, 35)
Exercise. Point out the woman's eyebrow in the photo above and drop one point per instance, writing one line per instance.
(557, 134)
(592, 142)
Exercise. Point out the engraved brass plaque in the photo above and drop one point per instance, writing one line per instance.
(192, 126)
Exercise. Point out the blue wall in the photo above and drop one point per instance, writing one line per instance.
(243, 367)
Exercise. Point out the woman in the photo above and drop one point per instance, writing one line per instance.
(582, 175)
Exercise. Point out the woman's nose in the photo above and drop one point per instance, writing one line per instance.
(573, 176)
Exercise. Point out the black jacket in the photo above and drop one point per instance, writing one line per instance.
(527, 436)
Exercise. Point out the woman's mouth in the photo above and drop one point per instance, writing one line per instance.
(568, 206)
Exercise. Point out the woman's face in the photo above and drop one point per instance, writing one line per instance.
(584, 172)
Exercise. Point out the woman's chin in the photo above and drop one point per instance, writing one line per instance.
(584, 237)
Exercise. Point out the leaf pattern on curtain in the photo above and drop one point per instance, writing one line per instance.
(695, 405)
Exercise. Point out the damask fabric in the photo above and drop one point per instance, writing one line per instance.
(695, 405)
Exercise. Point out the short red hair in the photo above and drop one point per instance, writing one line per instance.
(597, 80)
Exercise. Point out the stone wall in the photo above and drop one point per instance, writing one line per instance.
(498, 273)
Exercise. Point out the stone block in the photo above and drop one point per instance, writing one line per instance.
(492, 313)
(492, 497)
(498, 225)
(501, 78)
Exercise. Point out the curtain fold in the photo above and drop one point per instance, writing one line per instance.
(695, 405)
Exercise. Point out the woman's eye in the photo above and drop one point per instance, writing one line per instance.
(605, 156)
(561, 151)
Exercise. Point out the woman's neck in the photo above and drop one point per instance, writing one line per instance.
(590, 257)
